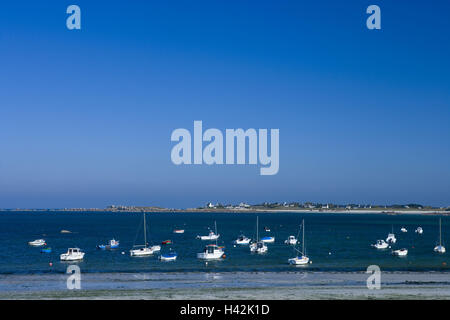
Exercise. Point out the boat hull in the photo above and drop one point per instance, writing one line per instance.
(439, 249)
(142, 252)
(72, 257)
(170, 257)
(268, 240)
(299, 261)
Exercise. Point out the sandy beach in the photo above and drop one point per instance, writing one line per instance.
(229, 285)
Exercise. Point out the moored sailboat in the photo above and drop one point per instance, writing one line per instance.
(258, 246)
(440, 248)
(301, 258)
(145, 249)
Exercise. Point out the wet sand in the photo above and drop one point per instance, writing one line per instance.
(229, 285)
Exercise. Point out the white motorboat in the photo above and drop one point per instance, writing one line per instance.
(301, 258)
(400, 252)
(419, 230)
(178, 231)
(268, 239)
(212, 235)
(403, 229)
(258, 246)
(391, 238)
(291, 240)
(242, 240)
(144, 249)
(37, 243)
(72, 254)
(381, 244)
(211, 252)
(440, 248)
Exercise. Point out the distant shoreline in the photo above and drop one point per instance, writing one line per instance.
(246, 210)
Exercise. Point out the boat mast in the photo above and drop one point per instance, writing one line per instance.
(440, 232)
(145, 233)
(303, 236)
(257, 235)
(215, 227)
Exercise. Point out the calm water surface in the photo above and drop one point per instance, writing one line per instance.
(335, 242)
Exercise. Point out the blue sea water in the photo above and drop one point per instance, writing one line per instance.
(335, 242)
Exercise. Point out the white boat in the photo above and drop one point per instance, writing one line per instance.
(400, 252)
(258, 246)
(267, 229)
(211, 252)
(172, 256)
(391, 238)
(37, 243)
(291, 240)
(72, 254)
(141, 250)
(242, 240)
(144, 249)
(212, 235)
(381, 244)
(178, 231)
(301, 258)
(403, 229)
(268, 239)
(440, 248)
(419, 230)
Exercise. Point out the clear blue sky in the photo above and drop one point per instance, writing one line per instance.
(86, 116)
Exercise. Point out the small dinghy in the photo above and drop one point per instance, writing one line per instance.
(178, 231)
(381, 244)
(113, 244)
(211, 252)
(266, 229)
(301, 258)
(168, 257)
(401, 252)
(46, 250)
(242, 240)
(403, 229)
(37, 243)
(291, 240)
(166, 242)
(72, 254)
(419, 230)
(268, 239)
